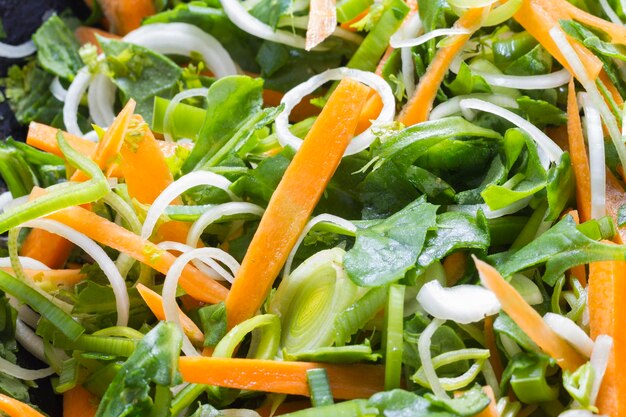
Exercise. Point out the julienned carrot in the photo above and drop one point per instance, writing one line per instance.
(155, 303)
(607, 315)
(348, 25)
(604, 77)
(491, 410)
(528, 319)
(538, 17)
(419, 106)
(346, 381)
(15, 408)
(52, 250)
(295, 198)
(490, 342)
(615, 198)
(126, 15)
(455, 266)
(78, 402)
(87, 34)
(578, 153)
(105, 232)
(65, 277)
(616, 32)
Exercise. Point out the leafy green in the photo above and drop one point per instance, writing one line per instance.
(472, 402)
(386, 190)
(541, 113)
(140, 73)
(466, 82)
(507, 49)
(386, 249)
(560, 187)
(579, 385)
(526, 373)
(155, 361)
(505, 325)
(259, 184)
(435, 189)
(400, 403)
(270, 11)
(57, 48)
(213, 319)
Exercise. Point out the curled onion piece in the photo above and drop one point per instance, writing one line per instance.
(423, 347)
(171, 283)
(463, 303)
(358, 143)
(409, 29)
(600, 356)
(597, 162)
(57, 90)
(405, 43)
(72, 100)
(207, 265)
(28, 263)
(453, 105)
(502, 13)
(178, 187)
(570, 332)
(100, 98)
(118, 285)
(167, 118)
(17, 51)
(16, 371)
(27, 338)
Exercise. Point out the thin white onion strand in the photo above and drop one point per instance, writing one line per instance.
(600, 355)
(17, 51)
(570, 332)
(452, 106)
(405, 43)
(423, 347)
(207, 265)
(75, 92)
(27, 338)
(57, 90)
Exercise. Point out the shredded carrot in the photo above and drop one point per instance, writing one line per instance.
(126, 15)
(607, 315)
(604, 77)
(15, 408)
(491, 410)
(348, 25)
(578, 153)
(615, 198)
(56, 277)
(295, 198)
(282, 377)
(49, 249)
(455, 266)
(78, 402)
(528, 319)
(616, 32)
(490, 342)
(155, 303)
(419, 106)
(87, 34)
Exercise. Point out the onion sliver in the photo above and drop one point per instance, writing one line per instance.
(171, 283)
(101, 98)
(17, 51)
(423, 347)
(175, 189)
(410, 28)
(118, 285)
(610, 13)
(322, 218)
(207, 265)
(28, 263)
(452, 106)
(72, 100)
(597, 162)
(167, 119)
(27, 338)
(570, 332)
(57, 89)
(463, 303)
(358, 143)
(600, 356)
(551, 149)
(5, 198)
(405, 43)
(16, 371)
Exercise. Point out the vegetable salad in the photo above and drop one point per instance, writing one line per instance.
(317, 208)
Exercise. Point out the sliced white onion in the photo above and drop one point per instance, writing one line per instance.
(462, 303)
(28, 263)
(610, 13)
(410, 29)
(322, 218)
(17, 51)
(208, 266)
(101, 98)
(167, 119)
(16, 202)
(358, 143)
(57, 90)
(549, 148)
(405, 43)
(452, 106)
(178, 187)
(92, 136)
(183, 39)
(27, 338)
(570, 332)
(171, 283)
(423, 347)
(527, 289)
(118, 285)
(16, 371)
(5, 198)
(600, 355)
(24, 312)
(597, 162)
(470, 4)
(72, 100)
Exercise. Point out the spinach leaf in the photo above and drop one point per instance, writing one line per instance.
(154, 361)
(505, 325)
(259, 184)
(270, 11)
(386, 249)
(57, 48)
(213, 318)
(560, 187)
(507, 49)
(466, 82)
(436, 189)
(385, 191)
(541, 113)
(400, 403)
(140, 73)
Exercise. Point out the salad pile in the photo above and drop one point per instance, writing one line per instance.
(318, 208)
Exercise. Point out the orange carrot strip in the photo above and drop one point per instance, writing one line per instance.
(490, 342)
(528, 319)
(578, 153)
(78, 402)
(87, 34)
(615, 198)
(348, 25)
(295, 198)
(616, 32)
(455, 266)
(67, 277)
(491, 410)
(105, 232)
(538, 17)
(604, 77)
(15, 408)
(346, 381)
(155, 303)
(607, 315)
(50, 249)
(419, 106)
(126, 15)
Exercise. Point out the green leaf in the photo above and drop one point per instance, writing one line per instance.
(385, 191)
(466, 82)
(259, 184)
(140, 73)
(621, 216)
(507, 49)
(560, 187)
(541, 113)
(385, 250)
(526, 373)
(579, 385)
(400, 403)
(154, 361)
(472, 402)
(270, 11)
(505, 325)
(213, 318)
(57, 48)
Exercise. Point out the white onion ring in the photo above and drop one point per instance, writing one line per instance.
(171, 283)
(570, 332)
(72, 100)
(100, 98)
(406, 43)
(207, 265)
(16, 371)
(167, 119)
(610, 13)
(28, 263)
(27, 338)
(17, 51)
(597, 162)
(57, 90)
(175, 189)
(358, 143)
(452, 106)
(118, 285)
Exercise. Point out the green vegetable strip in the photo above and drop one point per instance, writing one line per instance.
(393, 342)
(186, 120)
(376, 42)
(319, 387)
(529, 231)
(16, 265)
(68, 376)
(350, 9)
(101, 344)
(27, 295)
(186, 397)
(447, 358)
(268, 345)
(99, 381)
(357, 315)
(15, 171)
(354, 408)
(72, 195)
